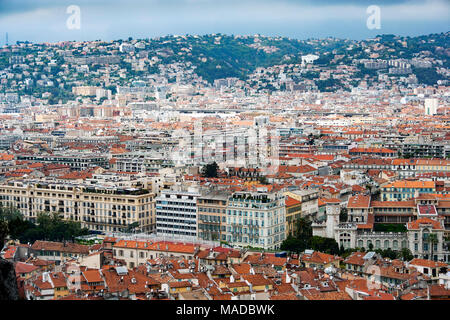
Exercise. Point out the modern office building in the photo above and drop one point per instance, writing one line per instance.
(176, 214)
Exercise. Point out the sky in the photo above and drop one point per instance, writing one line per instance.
(46, 21)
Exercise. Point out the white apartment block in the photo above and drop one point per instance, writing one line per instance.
(176, 214)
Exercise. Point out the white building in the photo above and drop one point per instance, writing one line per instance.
(431, 106)
(176, 213)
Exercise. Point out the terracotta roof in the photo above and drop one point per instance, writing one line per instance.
(318, 257)
(411, 184)
(92, 276)
(356, 258)
(359, 201)
(289, 201)
(438, 290)
(415, 225)
(24, 268)
(157, 246)
(60, 247)
(427, 263)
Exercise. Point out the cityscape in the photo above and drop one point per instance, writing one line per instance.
(220, 166)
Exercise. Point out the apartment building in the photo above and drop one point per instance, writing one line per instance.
(426, 239)
(176, 213)
(136, 253)
(256, 218)
(211, 222)
(139, 161)
(406, 189)
(358, 208)
(75, 161)
(97, 208)
(293, 213)
(309, 199)
(58, 251)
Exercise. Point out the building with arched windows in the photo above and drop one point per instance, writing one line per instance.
(424, 234)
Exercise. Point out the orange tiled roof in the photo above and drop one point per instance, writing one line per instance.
(414, 225)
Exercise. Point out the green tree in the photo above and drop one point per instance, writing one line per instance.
(303, 229)
(131, 227)
(263, 180)
(327, 245)
(3, 232)
(406, 254)
(210, 170)
(293, 245)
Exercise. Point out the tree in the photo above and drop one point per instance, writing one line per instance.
(3, 232)
(210, 170)
(263, 180)
(292, 244)
(131, 227)
(303, 229)
(406, 254)
(326, 245)
(389, 253)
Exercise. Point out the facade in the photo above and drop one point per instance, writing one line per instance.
(176, 213)
(211, 219)
(135, 253)
(58, 251)
(77, 162)
(256, 219)
(293, 213)
(426, 240)
(96, 208)
(424, 235)
(309, 199)
(405, 189)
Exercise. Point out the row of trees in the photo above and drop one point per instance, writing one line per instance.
(49, 226)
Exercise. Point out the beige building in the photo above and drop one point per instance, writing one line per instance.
(97, 208)
(211, 215)
(136, 253)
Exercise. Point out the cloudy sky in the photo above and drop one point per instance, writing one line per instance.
(45, 20)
